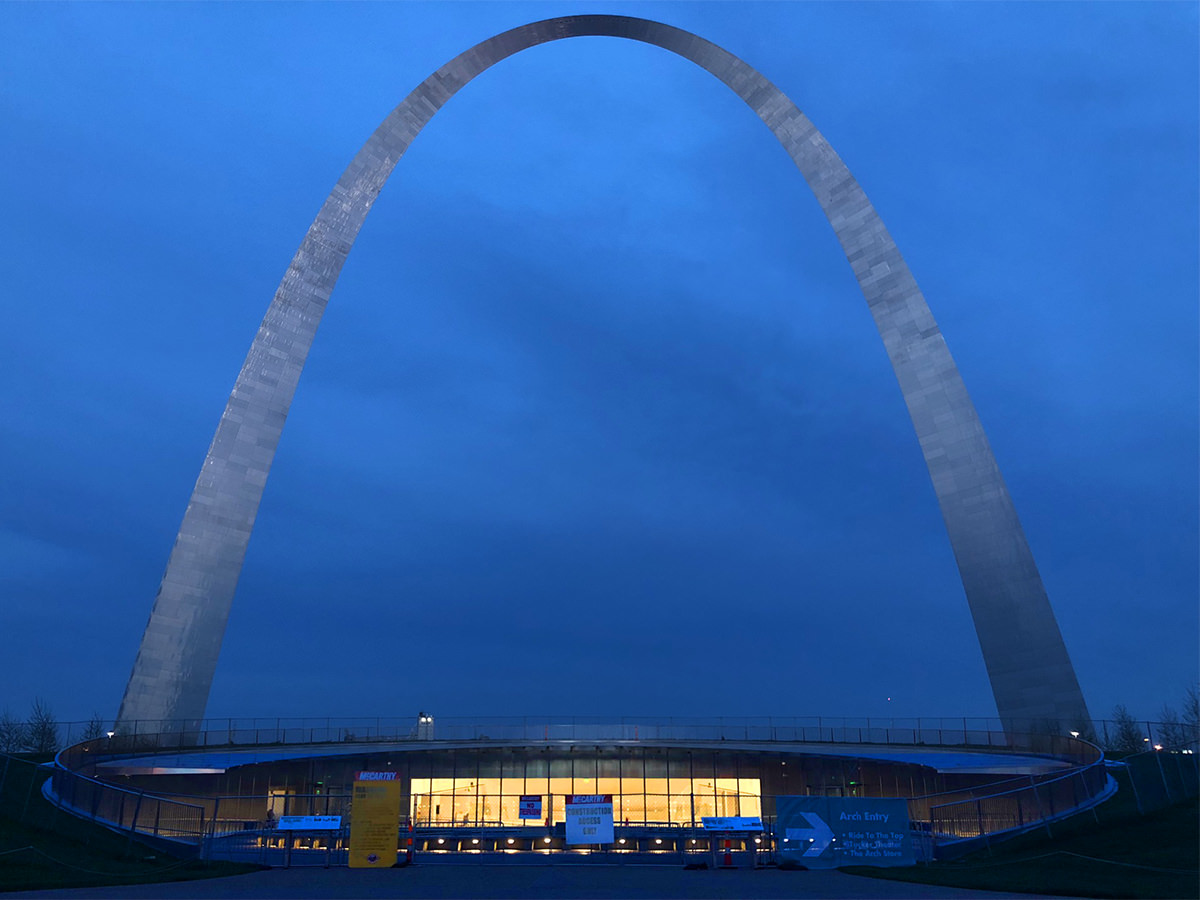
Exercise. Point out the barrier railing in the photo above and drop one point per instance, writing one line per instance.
(950, 816)
(1038, 801)
(82, 756)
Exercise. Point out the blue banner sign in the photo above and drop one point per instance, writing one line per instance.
(825, 832)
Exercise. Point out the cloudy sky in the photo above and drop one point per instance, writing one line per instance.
(597, 411)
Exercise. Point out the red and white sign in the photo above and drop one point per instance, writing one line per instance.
(589, 819)
(531, 806)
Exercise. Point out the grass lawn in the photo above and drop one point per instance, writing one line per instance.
(1125, 857)
(42, 847)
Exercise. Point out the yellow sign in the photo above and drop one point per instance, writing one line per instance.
(374, 820)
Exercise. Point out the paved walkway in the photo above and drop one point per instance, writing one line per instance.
(499, 881)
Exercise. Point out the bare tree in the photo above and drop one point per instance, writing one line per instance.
(1127, 733)
(12, 733)
(41, 729)
(94, 728)
(1169, 730)
(1191, 711)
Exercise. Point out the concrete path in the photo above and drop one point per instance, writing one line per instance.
(499, 881)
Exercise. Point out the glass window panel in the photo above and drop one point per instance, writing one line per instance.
(681, 808)
(633, 809)
(633, 785)
(465, 810)
(585, 767)
(560, 768)
(609, 786)
(727, 786)
(510, 812)
(679, 764)
(679, 785)
(514, 786)
(512, 766)
(656, 785)
(489, 809)
(656, 766)
(536, 786)
(539, 767)
(656, 808)
(561, 786)
(608, 767)
(702, 765)
(706, 805)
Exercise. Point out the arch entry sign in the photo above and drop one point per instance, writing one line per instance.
(1031, 675)
(827, 832)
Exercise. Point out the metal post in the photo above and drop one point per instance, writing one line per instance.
(1133, 785)
(1163, 775)
(133, 824)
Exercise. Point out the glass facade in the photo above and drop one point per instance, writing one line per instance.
(479, 787)
(636, 800)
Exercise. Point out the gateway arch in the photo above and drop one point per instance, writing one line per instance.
(1031, 675)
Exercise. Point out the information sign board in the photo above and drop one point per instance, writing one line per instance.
(744, 824)
(309, 823)
(589, 819)
(374, 820)
(530, 806)
(824, 832)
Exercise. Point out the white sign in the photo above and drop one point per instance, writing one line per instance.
(589, 819)
(531, 806)
(309, 823)
(731, 823)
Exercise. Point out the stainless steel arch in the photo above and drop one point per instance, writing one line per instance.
(1031, 675)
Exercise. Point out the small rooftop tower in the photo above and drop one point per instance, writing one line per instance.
(424, 729)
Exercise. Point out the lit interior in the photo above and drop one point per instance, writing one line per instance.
(636, 801)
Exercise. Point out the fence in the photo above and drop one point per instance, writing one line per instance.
(1161, 778)
(805, 728)
(76, 796)
(230, 733)
(1018, 807)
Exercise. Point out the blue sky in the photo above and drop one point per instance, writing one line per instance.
(597, 408)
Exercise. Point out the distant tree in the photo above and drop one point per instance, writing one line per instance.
(94, 728)
(41, 729)
(1191, 711)
(1170, 731)
(12, 733)
(1126, 736)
